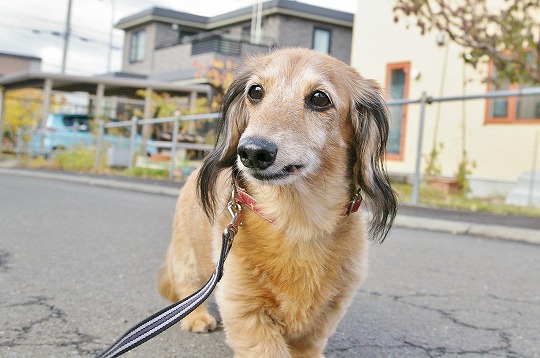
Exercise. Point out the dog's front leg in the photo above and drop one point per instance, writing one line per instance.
(250, 331)
(255, 335)
(308, 347)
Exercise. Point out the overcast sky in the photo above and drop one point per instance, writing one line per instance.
(35, 27)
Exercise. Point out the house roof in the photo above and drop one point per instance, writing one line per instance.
(161, 14)
(114, 86)
(18, 55)
(284, 7)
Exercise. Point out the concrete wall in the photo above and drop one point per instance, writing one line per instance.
(13, 64)
(294, 32)
(146, 66)
(165, 34)
(172, 58)
(501, 151)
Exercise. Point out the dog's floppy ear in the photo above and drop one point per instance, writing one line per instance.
(370, 122)
(229, 127)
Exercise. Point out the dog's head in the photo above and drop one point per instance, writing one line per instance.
(290, 116)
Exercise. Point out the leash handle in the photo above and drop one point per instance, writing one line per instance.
(167, 317)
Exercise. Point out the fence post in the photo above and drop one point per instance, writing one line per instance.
(99, 143)
(174, 143)
(74, 131)
(20, 143)
(533, 169)
(416, 182)
(31, 148)
(41, 136)
(132, 141)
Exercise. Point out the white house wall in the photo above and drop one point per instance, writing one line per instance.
(501, 151)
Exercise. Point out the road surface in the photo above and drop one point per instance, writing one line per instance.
(78, 266)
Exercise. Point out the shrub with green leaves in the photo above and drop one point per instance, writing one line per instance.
(77, 159)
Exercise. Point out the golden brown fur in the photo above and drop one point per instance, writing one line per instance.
(286, 284)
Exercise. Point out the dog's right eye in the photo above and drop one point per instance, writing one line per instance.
(319, 101)
(255, 93)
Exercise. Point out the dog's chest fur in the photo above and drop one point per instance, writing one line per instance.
(295, 283)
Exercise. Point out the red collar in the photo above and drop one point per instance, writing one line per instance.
(242, 197)
(353, 205)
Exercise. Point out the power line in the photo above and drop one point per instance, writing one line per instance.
(57, 23)
(84, 33)
(56, 33)
(82, 38)
(26, 18)
(37, 25)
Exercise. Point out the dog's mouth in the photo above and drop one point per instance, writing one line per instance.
(293, 168)
(285, 172)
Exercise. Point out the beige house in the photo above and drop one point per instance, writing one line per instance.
(500, 135)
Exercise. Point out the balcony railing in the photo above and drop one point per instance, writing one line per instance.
(221, 42)
(216, 43)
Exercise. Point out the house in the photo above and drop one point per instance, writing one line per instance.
(171, 45)
(500, 136)
(12, 63)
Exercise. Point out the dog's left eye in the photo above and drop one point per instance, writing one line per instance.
(319, 101)
(255, 93)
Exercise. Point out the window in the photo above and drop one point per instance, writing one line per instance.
(81, 121)
(397, 83)
(185, 35)
(246, 33)
(524, 109)
(321, 40)
(138, 42)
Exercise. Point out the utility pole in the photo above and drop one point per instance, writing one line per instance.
(256, 22)
(111, 30)
(67, 33)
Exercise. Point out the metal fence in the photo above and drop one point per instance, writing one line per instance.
(34, 144)
(173, 146)
(37, 142)
(426, 100)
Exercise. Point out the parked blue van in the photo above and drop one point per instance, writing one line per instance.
(66, 131)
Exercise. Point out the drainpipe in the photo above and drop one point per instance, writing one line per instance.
(1, 118)
(416, 180)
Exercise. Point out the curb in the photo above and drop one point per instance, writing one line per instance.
(402, 221)
(102, 182)
(464, 228)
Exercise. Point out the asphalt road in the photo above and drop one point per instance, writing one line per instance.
(78, 266)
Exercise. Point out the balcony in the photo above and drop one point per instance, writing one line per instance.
(216, 43)
(223, 43)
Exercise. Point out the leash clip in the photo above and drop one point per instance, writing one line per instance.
(235, 209)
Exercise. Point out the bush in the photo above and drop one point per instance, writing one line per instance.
(10, 151)
(77, 159)
(148, 173)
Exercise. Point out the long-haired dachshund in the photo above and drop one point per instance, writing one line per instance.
(300, 135)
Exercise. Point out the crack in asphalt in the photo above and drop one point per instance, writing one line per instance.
(505, 338)
(434, 352)
(4, 261)
(513, 300)
(23, 335)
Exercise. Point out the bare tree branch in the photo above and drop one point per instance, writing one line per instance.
(509, 37)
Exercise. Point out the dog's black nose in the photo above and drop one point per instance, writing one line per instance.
(257, 153)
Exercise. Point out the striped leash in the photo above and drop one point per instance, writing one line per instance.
(167, 317)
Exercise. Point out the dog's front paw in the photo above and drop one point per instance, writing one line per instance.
(199, 323)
